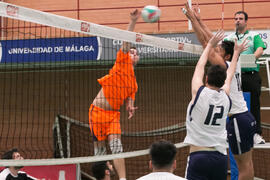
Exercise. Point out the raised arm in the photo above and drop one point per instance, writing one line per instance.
(207, 31)
(197, 79)
(131, 26)
(203, 36)
(231, 70)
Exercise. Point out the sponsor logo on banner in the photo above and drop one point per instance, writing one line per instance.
(12, 10)
(139, 37)
(144, 50)
(189, 38)
(85, 27)
(50, 50)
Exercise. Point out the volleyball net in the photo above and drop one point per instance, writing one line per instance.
(48, 74)
(49, 67)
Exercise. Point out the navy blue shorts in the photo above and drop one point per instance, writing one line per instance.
(207, 165)
(240, 131)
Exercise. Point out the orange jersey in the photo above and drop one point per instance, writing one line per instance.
(120, 83)
(103, 123)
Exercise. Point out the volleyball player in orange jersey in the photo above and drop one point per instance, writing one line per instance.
(118, 86)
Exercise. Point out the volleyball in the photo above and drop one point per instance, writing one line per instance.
(151, 14)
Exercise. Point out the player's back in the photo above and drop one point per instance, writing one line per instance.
(121, 82)
(206, 119)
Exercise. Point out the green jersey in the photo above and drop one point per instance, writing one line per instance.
(255, 41)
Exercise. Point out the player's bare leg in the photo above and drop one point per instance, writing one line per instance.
(245, 166)
(116, 147)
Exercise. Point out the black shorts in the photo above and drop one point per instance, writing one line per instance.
(240, 131)
(207, 165)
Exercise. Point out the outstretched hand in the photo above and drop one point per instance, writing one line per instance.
(216, 38)
(241, 47)
(188, 12)
(196, 11)
(134, 15)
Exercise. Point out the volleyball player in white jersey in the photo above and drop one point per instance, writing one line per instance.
(242, 125)
(206, 116)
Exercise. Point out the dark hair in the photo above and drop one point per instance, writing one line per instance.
(162, 154)
(242, 12)
(98, 169)
(216, 76)
(9, 154)
(133, 47)
(228, 47)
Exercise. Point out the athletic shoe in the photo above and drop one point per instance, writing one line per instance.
(258, 139)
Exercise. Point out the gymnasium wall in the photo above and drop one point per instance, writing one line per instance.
(115, 13)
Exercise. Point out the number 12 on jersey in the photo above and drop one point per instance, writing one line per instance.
(211, 119)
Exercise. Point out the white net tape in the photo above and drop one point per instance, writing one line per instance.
(78, 160)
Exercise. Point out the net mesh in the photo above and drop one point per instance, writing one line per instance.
(138, 165)
(261, 157)
(74, 133)
(48, 74)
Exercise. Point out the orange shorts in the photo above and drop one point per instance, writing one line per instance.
(103, 123)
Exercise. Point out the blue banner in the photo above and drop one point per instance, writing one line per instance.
(50, 50)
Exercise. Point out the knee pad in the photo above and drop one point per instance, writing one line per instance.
(100, 150)
(116, 146)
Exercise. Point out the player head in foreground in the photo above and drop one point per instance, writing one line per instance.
(14, 172)
(102, 170)
(118, 87)
(162, 162)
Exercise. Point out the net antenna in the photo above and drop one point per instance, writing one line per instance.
(189, 22)
(222, 14)
(35, 16)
